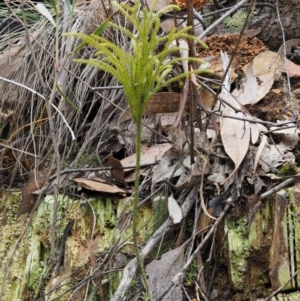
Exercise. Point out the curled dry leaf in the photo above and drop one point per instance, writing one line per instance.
(117, 174)
(286, 48)
(259, 151)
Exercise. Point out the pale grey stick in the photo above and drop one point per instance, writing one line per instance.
(216, 23)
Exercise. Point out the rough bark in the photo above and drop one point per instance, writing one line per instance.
(272, 30)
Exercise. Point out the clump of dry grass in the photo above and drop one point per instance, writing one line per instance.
(90, 114)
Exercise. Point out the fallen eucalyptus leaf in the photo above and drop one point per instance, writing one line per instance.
(247, 92)
(235, 135)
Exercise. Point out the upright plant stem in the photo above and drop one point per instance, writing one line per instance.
(135, 206)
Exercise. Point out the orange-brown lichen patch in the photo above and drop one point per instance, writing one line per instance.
(197, 4)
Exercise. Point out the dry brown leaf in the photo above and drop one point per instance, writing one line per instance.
(161, 272)
(206, 98)
(164, 102)
(126, 115)
(265, 68)
(97, 186)
(192, 174)
(205, 221)
(251, 33)
(235, 135)
(254, 132)
(149, 155)
(246, 94)
(290, 68)
(288, 46)
(117, 174)
(36, 181)
(174, 210)
(167, 167)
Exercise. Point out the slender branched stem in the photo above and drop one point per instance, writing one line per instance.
(135, 207)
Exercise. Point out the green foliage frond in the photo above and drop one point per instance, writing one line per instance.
(124, 30)
(185, 74)
(181, 34)
(167, 9)
(142, 72)
(100, 65)
(129, 12)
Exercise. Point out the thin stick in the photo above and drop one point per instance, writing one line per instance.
(278, 187)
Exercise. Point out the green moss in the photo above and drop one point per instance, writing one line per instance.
(288, 170)
(191, 274)
(236, 22)
(238, 250)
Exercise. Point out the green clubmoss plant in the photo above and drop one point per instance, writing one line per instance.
(142, 71)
